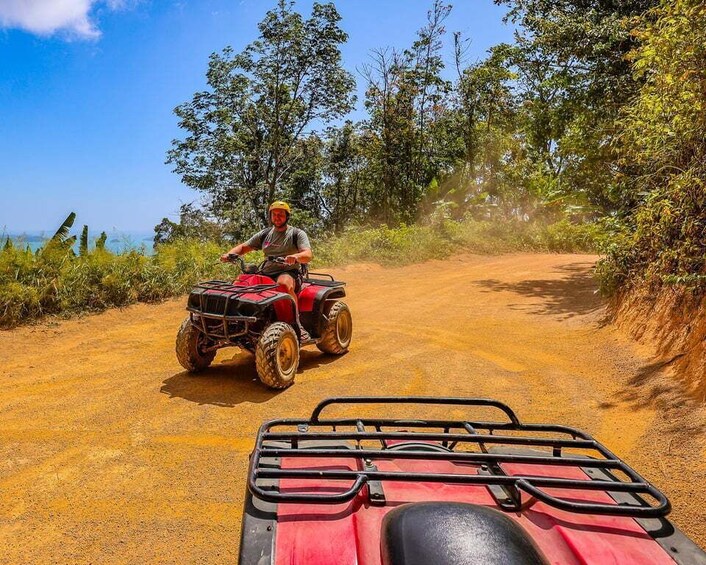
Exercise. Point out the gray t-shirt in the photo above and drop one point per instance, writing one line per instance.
(279, 244)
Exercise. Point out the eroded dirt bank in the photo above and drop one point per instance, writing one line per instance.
(673, 323)
(110, 453)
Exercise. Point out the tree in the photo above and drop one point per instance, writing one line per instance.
(83, 242)
(484, 108)
(390, 134)
(343, 198)
(194, 223)
(100, 241)
(242, 133)
(662, 145)
(405, 98)
(572, 58)
(61, 242)
(430, 89)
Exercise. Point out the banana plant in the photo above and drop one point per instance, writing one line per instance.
(61, 239)
(83, 243)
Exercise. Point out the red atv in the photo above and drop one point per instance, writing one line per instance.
(371, 491)
(257, 314)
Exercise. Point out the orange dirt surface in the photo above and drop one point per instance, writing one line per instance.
(111, 453)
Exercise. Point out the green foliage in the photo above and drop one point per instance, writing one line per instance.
(100, 242)
(526, 132)
(663, 144)
(413, 244)
(57, 282)
(406, 98)
(585, 132)
(83, 242)
(194, 223)
(574, 80)
(61, 241)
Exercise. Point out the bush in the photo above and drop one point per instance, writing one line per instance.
(55, 281)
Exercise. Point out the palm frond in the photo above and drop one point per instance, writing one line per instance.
(63, 232)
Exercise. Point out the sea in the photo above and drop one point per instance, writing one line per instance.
(118, 241)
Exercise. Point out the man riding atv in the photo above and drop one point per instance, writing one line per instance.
(280, 240)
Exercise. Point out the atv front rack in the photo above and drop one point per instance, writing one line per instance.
(483, 452)
(214, 304)
(223, 286)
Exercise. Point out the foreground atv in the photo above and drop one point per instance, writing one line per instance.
(374, 491)
(257, 314)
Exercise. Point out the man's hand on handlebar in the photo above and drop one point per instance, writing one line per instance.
(291, 260)
(279, 260)
(229, 258)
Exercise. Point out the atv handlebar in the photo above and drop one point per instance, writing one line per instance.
(236, 259)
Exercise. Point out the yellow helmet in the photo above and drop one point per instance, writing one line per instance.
(279, 205)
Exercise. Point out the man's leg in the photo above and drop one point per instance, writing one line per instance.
(288, 282)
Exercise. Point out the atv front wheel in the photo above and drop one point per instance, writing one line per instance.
(190, 343)
(277, 355)
(337, 330)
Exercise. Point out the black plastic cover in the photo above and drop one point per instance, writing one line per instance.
(451, 533)
(213, 302)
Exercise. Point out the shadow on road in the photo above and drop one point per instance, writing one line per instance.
(572, 295)
(233, 381)
(654, 386)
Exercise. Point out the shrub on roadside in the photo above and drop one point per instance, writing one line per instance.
(56, 281)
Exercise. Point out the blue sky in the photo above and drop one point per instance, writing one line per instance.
(88, 87)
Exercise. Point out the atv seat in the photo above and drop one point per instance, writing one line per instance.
(451, 533)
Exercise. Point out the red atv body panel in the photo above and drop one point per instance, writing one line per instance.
(283, 308)
(364, 490)
(349, 533)
(309, 298)
(233, 312)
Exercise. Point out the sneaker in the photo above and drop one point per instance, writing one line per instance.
(304, 335)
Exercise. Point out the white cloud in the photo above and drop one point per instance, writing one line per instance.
(46, 17)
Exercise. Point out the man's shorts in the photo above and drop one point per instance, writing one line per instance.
(296, 274)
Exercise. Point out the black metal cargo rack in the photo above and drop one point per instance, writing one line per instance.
(328, 281)
(224, 286)
(214, 302)
(493, 444)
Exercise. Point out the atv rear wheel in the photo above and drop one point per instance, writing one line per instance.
(337, 331)
(190, 343)
(277, 355)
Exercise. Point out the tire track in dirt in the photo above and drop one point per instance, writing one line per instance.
(111, 453)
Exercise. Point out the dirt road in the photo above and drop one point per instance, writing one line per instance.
(110, 453)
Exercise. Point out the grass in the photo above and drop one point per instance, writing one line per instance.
(414, 244)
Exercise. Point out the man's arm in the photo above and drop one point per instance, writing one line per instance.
(240, 249)
(255, 242)
(304, 254)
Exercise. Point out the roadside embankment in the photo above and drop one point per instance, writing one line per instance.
(673, 322)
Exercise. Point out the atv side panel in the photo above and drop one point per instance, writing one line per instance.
(312, 300)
